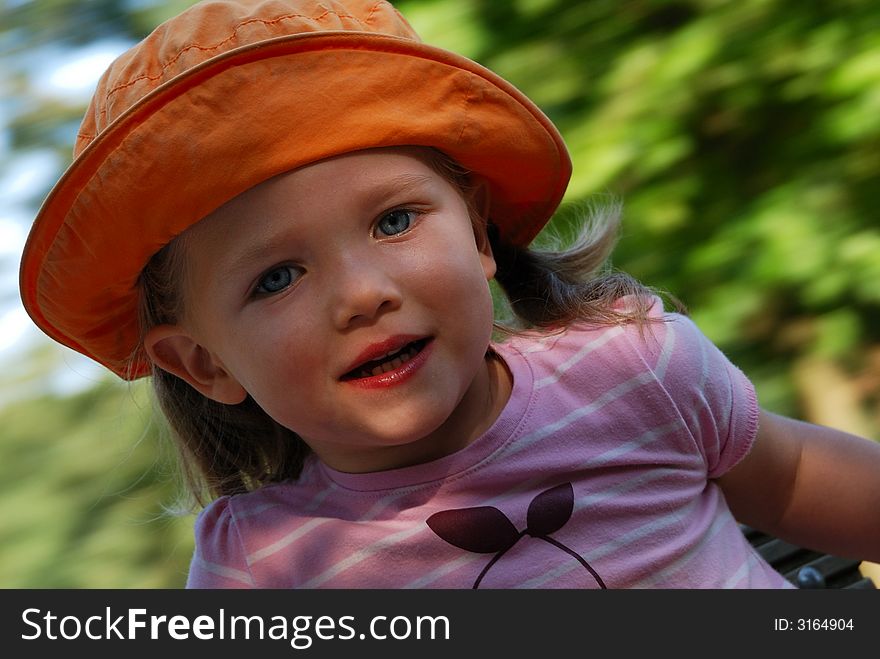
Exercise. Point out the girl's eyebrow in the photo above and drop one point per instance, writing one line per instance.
(397, 185)
(245, 257)
(401, 185)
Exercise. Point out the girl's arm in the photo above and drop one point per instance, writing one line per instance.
(810, 485)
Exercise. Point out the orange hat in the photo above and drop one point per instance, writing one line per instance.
(232, 92)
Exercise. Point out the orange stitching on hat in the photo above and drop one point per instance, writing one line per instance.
(369, 17)
(218, 45)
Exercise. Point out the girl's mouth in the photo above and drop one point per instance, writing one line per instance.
(391, 367)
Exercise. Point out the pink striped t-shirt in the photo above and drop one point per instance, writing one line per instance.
(598, 472)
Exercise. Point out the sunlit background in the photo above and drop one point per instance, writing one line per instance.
(743, 137)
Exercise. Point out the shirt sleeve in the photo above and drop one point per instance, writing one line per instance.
(714, 398)
(219, 559)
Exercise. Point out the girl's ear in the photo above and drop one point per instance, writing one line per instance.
(479, 208)
(173, 349)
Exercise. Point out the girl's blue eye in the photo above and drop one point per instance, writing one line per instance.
(395, 222)
(276, 280)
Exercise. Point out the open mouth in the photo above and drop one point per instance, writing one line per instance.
(391, 361)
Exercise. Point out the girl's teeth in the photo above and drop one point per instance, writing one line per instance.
(403, 356)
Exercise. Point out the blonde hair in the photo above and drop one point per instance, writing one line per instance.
(231, 449)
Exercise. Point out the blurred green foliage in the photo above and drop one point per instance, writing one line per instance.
(84, 492)
(743, 137)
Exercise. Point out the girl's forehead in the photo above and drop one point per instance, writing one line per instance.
(363, 178)
(347, 173)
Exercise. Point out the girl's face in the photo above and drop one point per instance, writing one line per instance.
(350, 299)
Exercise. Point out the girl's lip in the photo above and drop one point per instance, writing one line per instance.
(379, 349)
(398, 375)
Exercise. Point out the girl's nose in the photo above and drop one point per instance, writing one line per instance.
(362, 295)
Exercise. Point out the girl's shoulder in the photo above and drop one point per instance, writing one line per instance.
(227, 513)
(668, 366)
(661, 343)
(645, 335)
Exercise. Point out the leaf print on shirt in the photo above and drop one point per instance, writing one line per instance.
(485, 529)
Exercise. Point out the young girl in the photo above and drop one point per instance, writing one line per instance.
(288, 212)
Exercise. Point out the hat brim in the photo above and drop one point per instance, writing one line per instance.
(240, 118)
